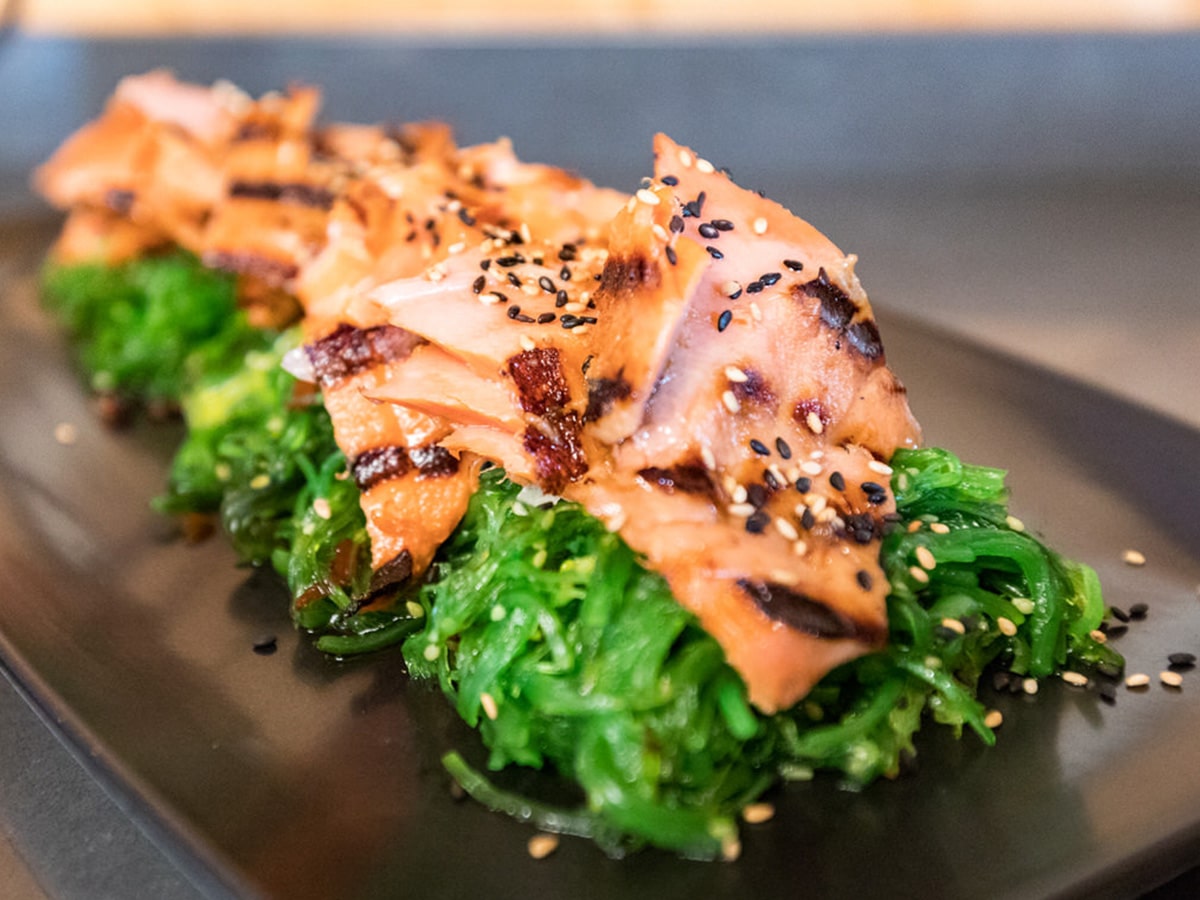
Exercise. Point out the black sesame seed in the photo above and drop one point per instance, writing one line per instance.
(769, 278)
(547, 285)
(1138, 611)
(485, 264)
(546, 317)
(676, 224)
(510, 261)
(588, 320)
(560, 299)
(873, 487)
(723, 320)
(465, 217)
(478, 284)
(804, 484)
(757, 522)
(794, 264)
(754, 287)
(756, 495)
(714, 252)
(1107, 691)
(1182, 660)
(838, 481)
(670, 180)
(722, 224)
(265, 645)
(807, 519)
(587, 364)
(567, 253)
(570, 321)
(503, 298)
(564, 273)
(528, 320)
(759, 447)
(735, 294)
(514, 280)
(514, 311)
(672, 256)
(1119, 614)
(709, 231)
(770, 480)
(863, 577)
(1115, 631)
(782, 446)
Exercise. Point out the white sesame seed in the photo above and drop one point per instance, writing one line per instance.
(730, 288)
(918, 574)
(759, 226)
(1007, 627)
(739, 494)
(814, 423)
(778, 475)
(818, 504)
(529, 289)
(1137, 680)
(1014, 523)
(1076, 679)
(741, 510)
(1171, 679)
(458, 247)
(799, 548)
(631, 205)
(914, 526)
(736, 375)
(260, 481)
(787, 529)
(415, 609)
(66, 433)
(580, 330)
(703, 165)
(498, 613)
(660, 233)
(575, 307)
(993, 719)
(731, 402)
(1030, 686)
(542, 845)
(488, 702)
(925, 557)
(647, 196)
(879, 467)
(1133, 558)
(526, 234)
(431, 652)
(954, 625)
(686, 159)
(527, 343)
(939, 527)
(817, 454)
(757, 813)
(489, 299)
(810, 467)
(755, 312)
(1024, 605)
(731, 848)
(1098, 636)
(707, 457)
(321, 508)
(829, 515)
(616, 519)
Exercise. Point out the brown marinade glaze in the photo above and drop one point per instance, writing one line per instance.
(837, 311)
(349, 350)
(803, 613)
(688, 479)
(433, 461)
(392, 572)
(539, 379)
(274, 272)
(296, 192)
(256, 130)
(603, 392)
(624, 274)
(556, 450)
(754, 390)
(379, 464)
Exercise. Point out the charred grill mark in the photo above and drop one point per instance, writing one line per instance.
(627, 274)
(754, 389)
(603, 393)
(379, 464)
(396, 570)
(350, 350)
(803, 613)
(294, 192)
(553, 443)
(433, 461)
(838, 311)
(538, 376)
(688, 479)
(119, 201)
(273, 271)
(256, 131)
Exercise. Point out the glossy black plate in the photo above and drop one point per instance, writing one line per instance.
(298, 777)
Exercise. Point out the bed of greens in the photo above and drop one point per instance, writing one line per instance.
(541, 627)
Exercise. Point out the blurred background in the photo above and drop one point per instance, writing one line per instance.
(1022, 172)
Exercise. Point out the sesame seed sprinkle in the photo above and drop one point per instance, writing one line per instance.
(708, 231)
(759, 226)
(1024, 605)
(66, 433)
(810, 467)
(925, 557)
(730, 401)
(488, 702)
(707, 457)
(939, 527)
(879, 467)
(736, 375)
(321, 507)
(647, 196)
(757, 813)
(714, 252)
(759, 447)
(542, 845)
(723, 320)
(1076, 679)
(1133, 558)
(670, 180)
(918, 574)
(953, 625)
(794, 264)
(739, 494)
(732, 289)
(1014, 523)
(1171, 679)
(1007, 626)
(527, 343)
(672, 256)
(781, 445)
(814, 423)
(741, 510)
(786, 528)
(993, 719)
(705, 167)
(838, 481)
(1137, 680)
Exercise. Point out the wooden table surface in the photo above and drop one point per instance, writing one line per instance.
(555, 17)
